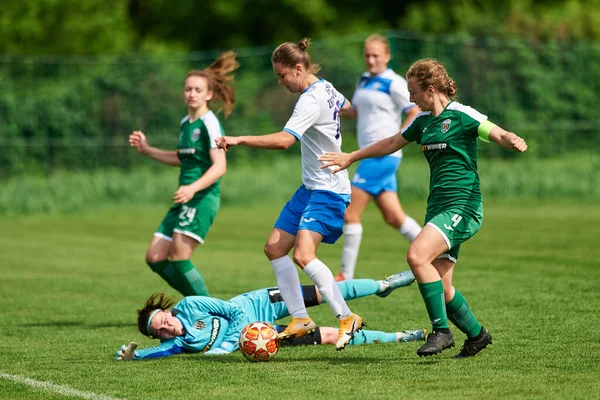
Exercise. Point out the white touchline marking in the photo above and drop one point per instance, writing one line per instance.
(61, 389)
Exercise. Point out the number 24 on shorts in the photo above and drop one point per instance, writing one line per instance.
(187, 213)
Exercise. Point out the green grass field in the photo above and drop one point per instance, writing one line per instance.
(71, 286)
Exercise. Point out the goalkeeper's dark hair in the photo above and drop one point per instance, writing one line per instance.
(158, 301)
(220, 80)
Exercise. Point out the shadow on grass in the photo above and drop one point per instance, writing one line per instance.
(237, 358)
(66, 324)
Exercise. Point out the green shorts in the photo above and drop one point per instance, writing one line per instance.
(456, 226)
(192, 219)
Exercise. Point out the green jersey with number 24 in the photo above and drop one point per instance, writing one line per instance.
(195, 141)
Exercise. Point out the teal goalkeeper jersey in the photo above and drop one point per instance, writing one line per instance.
(208, 323)
(449, 143)
(195, 141)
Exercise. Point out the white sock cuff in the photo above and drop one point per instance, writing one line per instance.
(313, 267)
(410, 229)
(353, 229)
(282, 263)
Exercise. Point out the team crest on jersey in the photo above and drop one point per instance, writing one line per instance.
(200, 325)
(445, 125)
(195, 135)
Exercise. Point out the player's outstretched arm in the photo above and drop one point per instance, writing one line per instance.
(166, 348)
(274, 141)
(126, 352)
(381, 148)
(138, 140)
(508, 140)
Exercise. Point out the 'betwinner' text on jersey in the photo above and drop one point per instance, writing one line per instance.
(449, 143)
(195, 141)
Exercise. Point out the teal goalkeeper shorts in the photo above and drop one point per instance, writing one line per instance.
(456, 226)
(192, 219)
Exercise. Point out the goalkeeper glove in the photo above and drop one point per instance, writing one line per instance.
(126, 353)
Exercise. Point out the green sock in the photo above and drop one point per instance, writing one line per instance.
(159, 267)
(356, 288)
(461, 316)
(187, 278)
(433, 295)
(368, 337)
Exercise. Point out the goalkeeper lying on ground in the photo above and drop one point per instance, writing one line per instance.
(199, 324)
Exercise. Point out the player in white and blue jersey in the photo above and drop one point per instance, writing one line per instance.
(199, 324)
(315, 213)
(380, 99)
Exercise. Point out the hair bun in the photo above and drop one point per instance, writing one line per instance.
(304, 43)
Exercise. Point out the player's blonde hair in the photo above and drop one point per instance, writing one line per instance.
(380, 39)
(220, 80)
(429, 71)
(290, 54)
(158, 301)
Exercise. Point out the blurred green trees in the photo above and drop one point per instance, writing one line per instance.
(78, 27)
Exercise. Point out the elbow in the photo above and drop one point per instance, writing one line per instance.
(286, 145)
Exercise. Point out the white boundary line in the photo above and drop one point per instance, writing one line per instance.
(51, 387)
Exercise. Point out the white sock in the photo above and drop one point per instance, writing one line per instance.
(410, 229)
(352, 237)
(323, 278)
(288, 283)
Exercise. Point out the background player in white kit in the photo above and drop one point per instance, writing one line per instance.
(315, 213)
(380, 99)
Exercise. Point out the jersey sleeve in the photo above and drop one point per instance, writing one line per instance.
(215, 130)
(412, 132)
(400, 95)
(306, 113)
(165, 348)
(471, 119)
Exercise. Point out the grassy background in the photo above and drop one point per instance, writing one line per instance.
(71, 284)
(568, 177)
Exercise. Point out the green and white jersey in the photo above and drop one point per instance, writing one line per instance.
(449, 143)
(195, 141)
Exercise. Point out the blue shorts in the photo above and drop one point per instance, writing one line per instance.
(376, 175)
(318, 211)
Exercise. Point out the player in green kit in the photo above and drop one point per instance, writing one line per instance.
(202, 165)
(448, 132)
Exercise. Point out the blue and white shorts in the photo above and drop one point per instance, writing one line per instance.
(320, 211)
(377, 175)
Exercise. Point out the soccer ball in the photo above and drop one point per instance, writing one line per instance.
(258, 341)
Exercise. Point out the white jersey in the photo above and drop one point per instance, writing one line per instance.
(379, 102)
(316, 123)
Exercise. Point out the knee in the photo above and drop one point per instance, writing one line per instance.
(302, 258)
(272, 252)
(351, 216)
(152, 257)
(393, 220)
(415, 258)
(329, 335)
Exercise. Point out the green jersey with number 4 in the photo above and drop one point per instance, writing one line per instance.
(449, 143)
(195, 141)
